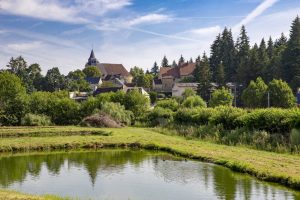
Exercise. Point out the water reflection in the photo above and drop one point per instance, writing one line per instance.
(123, 174)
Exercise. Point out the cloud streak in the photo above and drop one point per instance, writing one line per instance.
(54, 10)
(255, 13)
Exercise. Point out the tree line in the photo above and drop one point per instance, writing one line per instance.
(239, 62)
(33, 80)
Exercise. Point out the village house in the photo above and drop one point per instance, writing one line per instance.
(179, 88)
(109, 69)
(168, 76)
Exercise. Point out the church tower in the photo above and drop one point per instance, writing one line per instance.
(92, 61)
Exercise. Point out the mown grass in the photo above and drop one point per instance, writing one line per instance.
(269, 166)
(12, 195)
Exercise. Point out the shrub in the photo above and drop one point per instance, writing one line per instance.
(136, 103)
(281, 95)
(36, 120)
(186, 116)
(188, 92)
(221, 97)
(160, 116)
(295, 137)
(255, 95)
(227, 116)
(117, 112)
(273, 120)
(153, 97)
(65, 112)
(171, 104)
(193, 101)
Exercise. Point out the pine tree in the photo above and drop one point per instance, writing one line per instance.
(215, 56)
(291, 58)
(270, 48)
(243, 56)
(181, 61)
(155, 69)
(191, 60)
(253, 69)
(228, 53)
(197, 69)
(281, 41)
(204, 78)
(220, 75)
(174, 64)
(165, 62)
(263, 60)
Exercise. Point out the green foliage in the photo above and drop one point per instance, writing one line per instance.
(188, 92)
(204, 77)
(281, 95)
(227, 116)
(153, 97)
(36, 120)
(13, 99)
(54, 80)
(91, 71)
(255, 95)
(295, 137)
(193, 101)
(137, 103)
(221, 97)
(186, 116)
(117, 112)
(273, 120)
(165, 62)
(159, 116)
(171, 104)
(65, 111)
(155, 69)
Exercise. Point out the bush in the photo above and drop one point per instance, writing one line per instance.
(160, 116)
(221, 97)
(153, 97)
(171, 104)
(255, 95)
(65, 112)
(186, 116)
(281, 95)
(136, 103)
(273, 120)
(117, 112)
(193, 101)
(227, 116)
(36, 120)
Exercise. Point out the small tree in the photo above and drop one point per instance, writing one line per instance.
(165, 62)
(281, 94)
(136, 102)
(91, 71)
(155, 69)
(254, 96)
(188, 92)
(221, 97)
(194, 101)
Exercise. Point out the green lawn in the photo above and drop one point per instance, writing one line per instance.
(281, 168)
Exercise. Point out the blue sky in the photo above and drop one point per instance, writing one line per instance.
(57, 33)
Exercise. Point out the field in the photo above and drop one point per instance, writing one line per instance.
(274, 167)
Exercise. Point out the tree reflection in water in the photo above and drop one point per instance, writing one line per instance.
(219, 181)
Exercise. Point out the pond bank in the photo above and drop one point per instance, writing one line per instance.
(268, 166)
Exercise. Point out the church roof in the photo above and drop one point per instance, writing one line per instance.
(114, 69)
(92, 56)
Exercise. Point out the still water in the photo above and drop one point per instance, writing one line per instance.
(126, 174)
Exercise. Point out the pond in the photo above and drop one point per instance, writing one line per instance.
(130, 174)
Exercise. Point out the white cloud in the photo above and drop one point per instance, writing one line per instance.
(255, 13)
(54, 10)
(205, 31)
(152, 18)
(25, 46)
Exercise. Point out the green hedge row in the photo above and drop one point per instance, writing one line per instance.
(272, 120)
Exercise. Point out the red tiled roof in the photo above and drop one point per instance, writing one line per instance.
(115, 69)
(186, 69)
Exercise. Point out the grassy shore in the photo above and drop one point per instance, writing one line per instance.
(280, 168)
(11, 195)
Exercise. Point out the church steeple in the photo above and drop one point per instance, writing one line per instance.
(92, 59)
